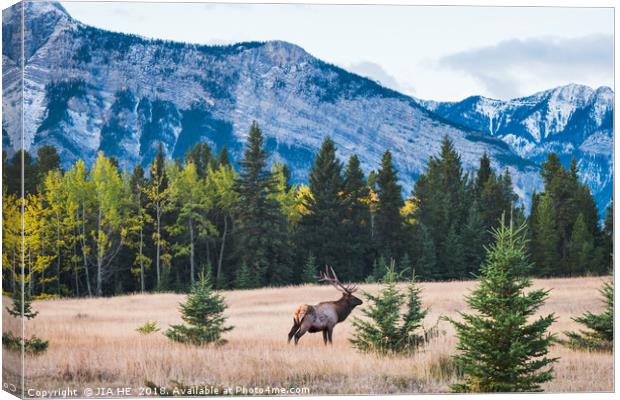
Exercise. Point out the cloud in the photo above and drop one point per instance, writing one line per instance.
(505, 68)
(376, 72)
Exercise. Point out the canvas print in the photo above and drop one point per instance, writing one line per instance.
(218, 199)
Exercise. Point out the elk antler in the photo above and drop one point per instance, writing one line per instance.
(330, 276)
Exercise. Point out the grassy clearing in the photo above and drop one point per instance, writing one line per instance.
(93, 342)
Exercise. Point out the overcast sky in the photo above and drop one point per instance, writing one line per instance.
(441, 53)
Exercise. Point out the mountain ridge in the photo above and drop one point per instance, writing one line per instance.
(88, 89)
(575, 121)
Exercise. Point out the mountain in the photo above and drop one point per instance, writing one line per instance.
(87, 89)
(574, 121)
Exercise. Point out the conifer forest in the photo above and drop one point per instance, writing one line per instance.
(102, 231)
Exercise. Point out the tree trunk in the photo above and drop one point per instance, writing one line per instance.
(140, 251)
(43, 269)
(99, 258)
(219, 261)
(77, 284)
(58, 253)
(141, 263)
(208, 253)
(75, 265)
(30, 275)
(191, 251)
(88, 288)
(158, 245)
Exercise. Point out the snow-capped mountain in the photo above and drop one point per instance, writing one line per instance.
(87, 89)
(575, 121)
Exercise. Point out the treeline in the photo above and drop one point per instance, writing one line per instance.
(103, 231)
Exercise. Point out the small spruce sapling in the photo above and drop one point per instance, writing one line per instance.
(16, 309)
(385, 330)
(22, 308)
(600, 333)
(499, 349)
(203, 311)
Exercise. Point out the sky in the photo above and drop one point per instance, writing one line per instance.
(430, 52)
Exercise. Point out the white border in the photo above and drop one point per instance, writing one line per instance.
(497, 3)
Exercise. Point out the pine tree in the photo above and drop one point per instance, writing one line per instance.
(222, 157)
(321, 228)
(261, 230)
(569, 199)
(385, 330)
(14, 173)
(412, 319)
(202, 157)
(388, 220)
(562, 187)
(600, 333)
(22, 308)
(47, 160)
(247, 278)
(545, 237)
(580, 248)
(586, 205)
(379, 332)
(509, 197)
(453, 255)
(496, 198)
(203, 312)
(443, 198)
(309, 273)
(475, 233)
(608, 228)
(357, 224)
(426, 265)
(499, 350)
(606, 246)
(483, 175)
(22, 304)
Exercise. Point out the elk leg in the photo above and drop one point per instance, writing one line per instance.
(294, 329)
(330, 330)
(325, 337)
(303, 328)
(299, 334)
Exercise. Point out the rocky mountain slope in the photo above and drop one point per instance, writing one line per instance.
(575, 121)
(86, 89)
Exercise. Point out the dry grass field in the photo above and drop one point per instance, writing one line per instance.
(93, 343)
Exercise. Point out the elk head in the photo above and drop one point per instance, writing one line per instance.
(347, 290)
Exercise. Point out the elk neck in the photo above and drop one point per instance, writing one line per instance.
(343, 308)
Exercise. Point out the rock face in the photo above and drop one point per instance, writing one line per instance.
(87, 89)
(575, 121)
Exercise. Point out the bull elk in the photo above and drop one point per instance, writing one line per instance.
(324, 316)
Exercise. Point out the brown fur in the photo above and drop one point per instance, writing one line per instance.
(301, 312)
(324, 316)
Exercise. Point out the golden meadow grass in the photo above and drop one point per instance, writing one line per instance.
(93, 342)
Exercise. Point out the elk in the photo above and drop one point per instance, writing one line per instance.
(324, 316)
